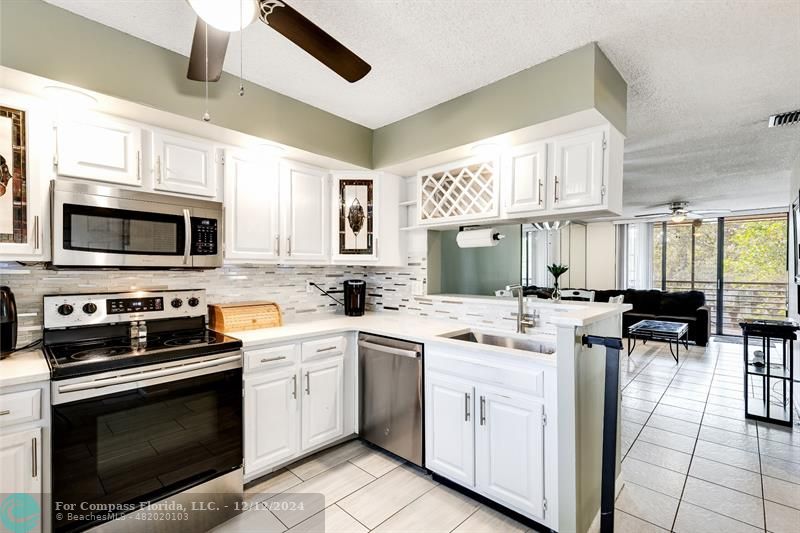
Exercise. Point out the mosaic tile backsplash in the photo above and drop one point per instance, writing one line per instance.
(388, 290)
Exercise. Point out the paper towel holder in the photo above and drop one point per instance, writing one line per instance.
(481, 238)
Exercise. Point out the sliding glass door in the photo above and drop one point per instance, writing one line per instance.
(738, 262)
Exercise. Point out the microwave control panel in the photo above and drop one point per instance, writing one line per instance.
(204, 236)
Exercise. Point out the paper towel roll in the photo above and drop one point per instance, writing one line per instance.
(477, 238)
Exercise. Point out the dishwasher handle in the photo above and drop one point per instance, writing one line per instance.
(389, 349)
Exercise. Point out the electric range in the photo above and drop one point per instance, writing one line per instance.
(151, 399)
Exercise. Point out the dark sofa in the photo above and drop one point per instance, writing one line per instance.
(689, 307)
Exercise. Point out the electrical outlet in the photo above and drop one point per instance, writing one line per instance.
(310, 289)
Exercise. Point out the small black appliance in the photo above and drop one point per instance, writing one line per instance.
(8, 322)
(355, 297)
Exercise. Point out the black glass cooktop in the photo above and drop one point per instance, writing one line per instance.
(70, 359)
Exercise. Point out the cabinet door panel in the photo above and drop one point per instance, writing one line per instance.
(578, 170)
(323, 408)
(525, 173)
(271, 417)
(251, 208)
(449, 428)
(510, 449)
(21, 462)
(304, 202)
(105, 150)
(183, 165)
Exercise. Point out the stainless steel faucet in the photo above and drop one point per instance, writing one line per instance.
(521, 322)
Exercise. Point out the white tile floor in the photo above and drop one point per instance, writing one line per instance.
(691, 464)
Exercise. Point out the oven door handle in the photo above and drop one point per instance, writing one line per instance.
(143, 376)
(187, 236)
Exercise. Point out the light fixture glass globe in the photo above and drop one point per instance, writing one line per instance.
(226, 15)
(678, 218)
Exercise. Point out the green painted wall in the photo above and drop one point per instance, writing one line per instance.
(48, 41)
(480, 270)
(575, 81)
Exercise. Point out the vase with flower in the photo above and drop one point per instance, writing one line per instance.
(557, 271)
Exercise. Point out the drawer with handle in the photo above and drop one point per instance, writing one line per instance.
(327, 347)
(22, 406)
(272, 357)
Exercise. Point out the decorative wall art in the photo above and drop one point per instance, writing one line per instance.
(356, 225)
(13, 177)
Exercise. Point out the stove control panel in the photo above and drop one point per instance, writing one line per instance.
(75, 310)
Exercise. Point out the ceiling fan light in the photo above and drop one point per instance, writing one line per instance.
(225, 14)
(678, 218)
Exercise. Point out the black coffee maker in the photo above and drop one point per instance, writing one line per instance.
(355, 297)
(8, 322)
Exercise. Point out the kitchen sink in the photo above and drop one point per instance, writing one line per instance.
(504, 341)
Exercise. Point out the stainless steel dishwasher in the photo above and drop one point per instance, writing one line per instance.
(390, 395)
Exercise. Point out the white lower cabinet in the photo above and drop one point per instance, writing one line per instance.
(271, 429)
(323, 391)
(292, 408)
(450, 430)
(486, 429)
(20, 462)
(509, 449)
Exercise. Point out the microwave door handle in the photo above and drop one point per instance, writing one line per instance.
(187, 236)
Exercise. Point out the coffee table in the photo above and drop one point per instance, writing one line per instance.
(659, 330)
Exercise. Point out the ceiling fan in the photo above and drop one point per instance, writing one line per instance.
(222, 17)
(679, 212)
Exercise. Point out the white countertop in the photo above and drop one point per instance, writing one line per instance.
(26, 366)
(415, 329)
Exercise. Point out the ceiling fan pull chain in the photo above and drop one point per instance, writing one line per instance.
(206, 115)
(241, 51)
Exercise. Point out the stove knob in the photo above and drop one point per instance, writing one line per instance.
(65, 309)
(89, 308)
(194, 302)
(176, 303)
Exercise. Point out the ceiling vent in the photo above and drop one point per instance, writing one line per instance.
(785, 119)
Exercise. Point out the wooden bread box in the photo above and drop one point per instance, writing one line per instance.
(243, 316)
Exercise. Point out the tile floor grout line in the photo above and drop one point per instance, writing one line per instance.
(405, 506)
(760, 469)
(467, 518)
(353, 517)
(694, 449)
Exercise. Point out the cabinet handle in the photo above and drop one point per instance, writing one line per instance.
(139, 166)
(158, 168)
(36, 232)
(555, 190)
(277, 245)
(541, 195)
(288, 246)
(5, 412)
(466, 407)
(294, 387)
(308, 384)
(375, 239)
(326, 349)
(483, 410)
(34, 465)
(270, 359)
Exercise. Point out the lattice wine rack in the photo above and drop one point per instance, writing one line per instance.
(460, 191)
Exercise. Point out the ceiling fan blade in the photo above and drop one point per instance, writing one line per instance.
(711, 211)
(291, 24)
(217, 45)
(654, 215)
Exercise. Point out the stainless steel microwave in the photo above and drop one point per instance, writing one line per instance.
(99, 226)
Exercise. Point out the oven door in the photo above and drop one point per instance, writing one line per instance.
(175, 428)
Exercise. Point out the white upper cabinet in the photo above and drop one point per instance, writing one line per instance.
(304, 208)
(252, 231)
(183, 164)
(463, 190)
(524, 179)
(510, 449)
(578, 164)
(102, 148)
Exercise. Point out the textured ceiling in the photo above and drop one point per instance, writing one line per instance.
(702, 76)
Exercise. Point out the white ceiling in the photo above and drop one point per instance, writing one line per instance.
(702, 75)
